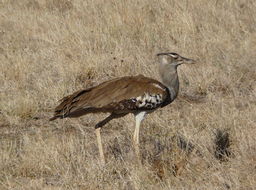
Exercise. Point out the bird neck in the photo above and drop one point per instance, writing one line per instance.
(170, 79)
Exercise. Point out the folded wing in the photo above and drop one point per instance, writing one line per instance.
(120, 95)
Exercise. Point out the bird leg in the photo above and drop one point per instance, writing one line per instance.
(102, 158)
(98, 126)
(138, 118)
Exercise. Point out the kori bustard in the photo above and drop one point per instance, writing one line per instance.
(130, 94)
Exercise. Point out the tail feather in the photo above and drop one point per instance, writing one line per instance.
(53, 118)
(77, 113)
(66, 106)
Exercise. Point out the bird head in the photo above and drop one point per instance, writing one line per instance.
(173, 59)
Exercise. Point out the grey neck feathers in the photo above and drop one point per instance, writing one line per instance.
(170, 79)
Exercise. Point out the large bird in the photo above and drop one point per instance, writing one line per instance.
(130, 94)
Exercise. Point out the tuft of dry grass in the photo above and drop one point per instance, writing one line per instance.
(222, 145)
(50, 48)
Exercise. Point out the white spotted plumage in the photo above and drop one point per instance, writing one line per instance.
(149, 100)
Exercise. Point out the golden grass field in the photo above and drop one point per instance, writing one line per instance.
(206, 139)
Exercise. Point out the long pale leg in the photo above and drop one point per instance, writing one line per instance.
(138, 118)
(97, 132)
(102, 158)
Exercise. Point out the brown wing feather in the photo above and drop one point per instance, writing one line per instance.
(106, 97)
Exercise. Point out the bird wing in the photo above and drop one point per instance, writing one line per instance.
(118, 95)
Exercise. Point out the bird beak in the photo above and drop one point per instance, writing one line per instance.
(188, 61)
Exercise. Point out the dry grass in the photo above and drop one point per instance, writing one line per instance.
(204, 140)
